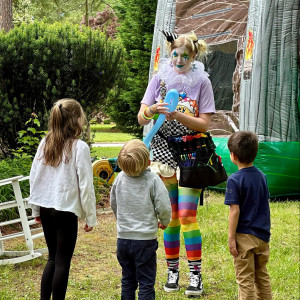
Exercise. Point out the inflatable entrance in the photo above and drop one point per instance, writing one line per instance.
(254, 69)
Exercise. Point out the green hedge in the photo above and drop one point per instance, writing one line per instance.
(42, 63)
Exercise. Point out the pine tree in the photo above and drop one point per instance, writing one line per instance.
(137, 18)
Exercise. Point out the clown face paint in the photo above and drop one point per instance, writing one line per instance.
(181, 59)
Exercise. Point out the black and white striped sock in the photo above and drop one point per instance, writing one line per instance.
(173, 264)
(195, 265)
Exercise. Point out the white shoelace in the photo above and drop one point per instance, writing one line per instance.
(194, 280)
(172, 277)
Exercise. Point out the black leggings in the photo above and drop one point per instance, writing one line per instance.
(60, 230)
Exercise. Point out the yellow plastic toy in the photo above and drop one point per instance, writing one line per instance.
(103, 169)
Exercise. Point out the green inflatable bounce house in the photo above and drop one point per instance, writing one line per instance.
(254, 69)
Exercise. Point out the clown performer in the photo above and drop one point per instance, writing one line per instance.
(193, 114)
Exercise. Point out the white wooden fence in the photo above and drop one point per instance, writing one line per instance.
(13, 257)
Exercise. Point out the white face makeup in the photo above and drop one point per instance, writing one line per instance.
(181, 59)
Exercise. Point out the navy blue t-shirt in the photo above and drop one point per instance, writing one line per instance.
(248, 188)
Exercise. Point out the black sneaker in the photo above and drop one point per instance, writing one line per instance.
(172, 283)
(196, 284)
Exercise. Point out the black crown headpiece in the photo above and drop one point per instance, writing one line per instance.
(169, 36)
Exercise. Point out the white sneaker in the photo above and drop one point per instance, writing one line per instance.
(196, 284)
(172, 283)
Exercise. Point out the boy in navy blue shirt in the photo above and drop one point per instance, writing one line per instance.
(249, 218)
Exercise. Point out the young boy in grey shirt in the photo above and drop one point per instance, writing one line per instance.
(141, 204)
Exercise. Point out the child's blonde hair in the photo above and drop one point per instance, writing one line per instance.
(195, 47)
(65, 126)
(133, 158)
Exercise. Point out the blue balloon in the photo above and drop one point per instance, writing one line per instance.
(171, 98)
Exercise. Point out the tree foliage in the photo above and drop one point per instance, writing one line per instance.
(41, 63)
(137, 18)
(105, 21)
(23, 12)
(51, 11)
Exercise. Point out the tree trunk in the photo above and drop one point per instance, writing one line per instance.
(86, 13)
(6, 14)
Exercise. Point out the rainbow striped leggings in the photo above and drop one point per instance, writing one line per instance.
(184, 203)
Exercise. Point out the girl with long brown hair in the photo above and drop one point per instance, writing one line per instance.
(61, 190)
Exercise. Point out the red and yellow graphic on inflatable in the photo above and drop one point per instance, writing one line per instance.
(250, 45)
(156, 59)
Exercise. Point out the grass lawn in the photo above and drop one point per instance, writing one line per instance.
(106, 152)
(108, 133)
(95, 273)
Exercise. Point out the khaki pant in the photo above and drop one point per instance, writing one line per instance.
(250, 268)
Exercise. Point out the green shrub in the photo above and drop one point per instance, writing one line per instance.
(11, 168)
(42, 63)
(29, 139)
(106, 121)
(102, 192)
(93, 122)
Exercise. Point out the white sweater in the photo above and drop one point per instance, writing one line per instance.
(67, 187)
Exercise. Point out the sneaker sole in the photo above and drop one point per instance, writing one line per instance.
(193, 293)
(168, 290)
